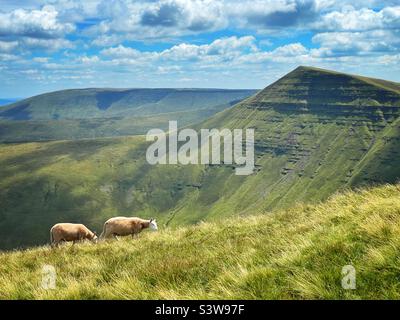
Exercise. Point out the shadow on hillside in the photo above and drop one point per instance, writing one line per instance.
(47, 154)
(31, 206)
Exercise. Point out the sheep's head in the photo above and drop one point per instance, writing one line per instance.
(94, 237)
(153, 225)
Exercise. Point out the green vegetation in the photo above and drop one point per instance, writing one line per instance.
(290, 254)
(94, 113)
(75, 129)
(305, 152)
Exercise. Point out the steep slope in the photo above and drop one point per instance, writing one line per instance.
(88, 113)
(293, 254)
(316, 132)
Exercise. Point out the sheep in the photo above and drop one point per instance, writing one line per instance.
(70, 232)
(123, 226)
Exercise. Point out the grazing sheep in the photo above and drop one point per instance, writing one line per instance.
(70, 232)
(123, 226)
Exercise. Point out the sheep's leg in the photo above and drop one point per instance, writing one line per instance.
(104, 235)
(115, 236)
(135, 235)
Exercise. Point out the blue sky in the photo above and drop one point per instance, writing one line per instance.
(48, 45)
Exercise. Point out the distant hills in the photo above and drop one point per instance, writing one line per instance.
(89, 113)
(4, 102)
(316, 132)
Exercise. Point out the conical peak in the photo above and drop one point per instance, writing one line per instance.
(313, 86)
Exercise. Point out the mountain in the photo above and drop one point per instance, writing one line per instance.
(291, 254)
(89, 113)
(316, 132)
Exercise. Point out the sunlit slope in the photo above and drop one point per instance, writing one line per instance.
(74, 129)
(297, 253)
(316, 132)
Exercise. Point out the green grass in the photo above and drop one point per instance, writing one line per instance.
(296, 253)
(75, 129)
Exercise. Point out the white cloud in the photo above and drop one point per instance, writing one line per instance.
(6, 46)
(225, 47)
(290, 53)
(141, 20)
(8, 57)
(41, 59)
(355, 43)
(30, 71)
(88, 60)
(389, 60)
(290, 50)
(218, 50)
(121, 52)
(350, 19)
(168, 69)
(33, 23)
(273, 14)
(45, 44)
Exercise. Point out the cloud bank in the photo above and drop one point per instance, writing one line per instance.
(54, 44)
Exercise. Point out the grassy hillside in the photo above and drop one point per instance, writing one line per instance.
(292, 254)
(90, 113)
(314, 136)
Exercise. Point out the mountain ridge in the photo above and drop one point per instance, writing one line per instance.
(51, 105)
(387, 84)
(89, 113)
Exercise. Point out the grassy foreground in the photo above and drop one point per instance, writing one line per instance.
(294, 254)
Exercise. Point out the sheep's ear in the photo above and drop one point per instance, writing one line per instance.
(151, 219)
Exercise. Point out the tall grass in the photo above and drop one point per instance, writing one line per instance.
(293, 254)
